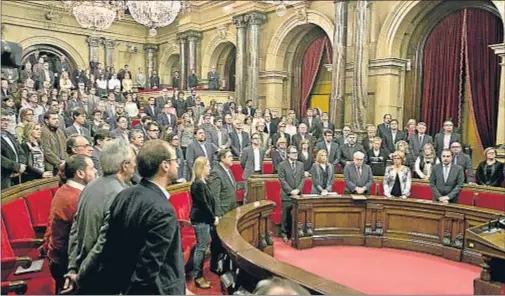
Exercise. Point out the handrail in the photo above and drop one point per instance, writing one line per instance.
(254, 261)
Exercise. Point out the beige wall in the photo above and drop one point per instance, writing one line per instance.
(391, 30)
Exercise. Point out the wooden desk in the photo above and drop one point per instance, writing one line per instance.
(242, 231)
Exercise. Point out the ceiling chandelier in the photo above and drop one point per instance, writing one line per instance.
(97, 14)
(281, 8)
(154, 14)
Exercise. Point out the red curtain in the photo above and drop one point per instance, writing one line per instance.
(310, 67)
(483, 71)
(442, 73)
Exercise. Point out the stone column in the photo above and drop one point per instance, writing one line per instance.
(255, 20)
(499, 49)
(337, 99)
(109, 46)
(182, 60)
(193, 37)
(360, 80)
(240, 67)
(150, 51)
(94, 46)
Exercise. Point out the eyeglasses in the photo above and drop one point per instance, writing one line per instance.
(455, 146)
(293, 152)
(154, 130)
(255, 138)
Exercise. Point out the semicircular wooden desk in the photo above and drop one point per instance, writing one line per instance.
(411, 224)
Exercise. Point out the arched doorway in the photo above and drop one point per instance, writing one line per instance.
(172, 66)
(50, 54)
(223, 58)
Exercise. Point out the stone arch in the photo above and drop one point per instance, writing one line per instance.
(216, 45)
(406, 16)
(291, 31)
(68, 49)
(169, 54)
(405, 32)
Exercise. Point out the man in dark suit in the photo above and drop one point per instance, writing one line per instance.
(417, 141)
(344, 138)
(446, 180)
(358, 175)
(463, 160)
(444, 139)
(346, 152)
(324, 125)
(192, 79)
(199, 147)
(13, 158)
(252, 158)
(329, 146)
(239, 139)
(143, 254)
(393, 136)
(311, 122)
(79, 116)
(213, 79)
(302, 134)
(291, 174)
(270, 127)
(383, 128)
(223, 188)
(249, 110)
(167, 119)
(151, 109)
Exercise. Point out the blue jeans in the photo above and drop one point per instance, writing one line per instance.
(202, 233)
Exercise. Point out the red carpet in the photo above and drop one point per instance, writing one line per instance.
(382, 271)
(215, 288)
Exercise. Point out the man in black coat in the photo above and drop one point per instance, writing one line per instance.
(143, 254)
(13, 157)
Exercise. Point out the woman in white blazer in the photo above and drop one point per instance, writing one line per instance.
(397, 177)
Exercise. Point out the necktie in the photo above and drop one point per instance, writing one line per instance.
(446, 173)
(293, 166)
(240, 142)
(421, 139)
(455, 159)
(358, 173)
(79, 131)
(204, 150)
(231, 178)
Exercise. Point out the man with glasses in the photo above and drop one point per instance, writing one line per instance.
(463, 160)
(152, 110)
(344, 139)
(384, 127)
(79, 145)
(346, 152)
(121, 131)
(291, 173)
(358, 175)
(446, 180)
(199, 147)
(418, 140)
(86, 240)
(223, 187)
(281, 133)
(444, 139)
(239, 139)
(13, 157)
(153, 131)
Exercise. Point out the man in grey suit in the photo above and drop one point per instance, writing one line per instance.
(223, 188)
(417, 141)
(346, 151)
(329, 146)
(239, 139)
(358, 175)
(291, 175)
(199, 147)
(444, 139)
(222, 140)
(213, 78)
(79, 116)
(251, 160)
(446, 180)
(464, 161)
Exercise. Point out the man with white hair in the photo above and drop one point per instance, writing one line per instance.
(85, 243)
(358, 175)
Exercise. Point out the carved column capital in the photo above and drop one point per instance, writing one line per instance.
(256, 18)
(240, 21)
(93, 41)
(193, 35)
(181, 37)
(499, 49)
(109, 43)
(151, 47)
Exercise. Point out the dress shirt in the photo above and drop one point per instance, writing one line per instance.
(257, 160)
(165, 192)
(78, 128)
(447, 169)
(328, 147)
(447, 141)
(203, 148)
(219, 138)
(75, 185)
(393, 135)
(239, 135)
(8, 140)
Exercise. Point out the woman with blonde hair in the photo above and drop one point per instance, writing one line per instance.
(323, 174)
(25, 115)
(34, 153)
(425, 162)
(397, 178)
(490, 172)
(202, 217)
(403, 147)
(127, 83)
(65, 82)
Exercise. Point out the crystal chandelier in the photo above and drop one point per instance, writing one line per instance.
(154, 14)
(281, 8)
(97, 14)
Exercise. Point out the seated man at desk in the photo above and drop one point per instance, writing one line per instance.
(358, 175)
(446, 180)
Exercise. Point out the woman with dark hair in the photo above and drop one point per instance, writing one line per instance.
(305, 156)
(202, 217)
(490, 172)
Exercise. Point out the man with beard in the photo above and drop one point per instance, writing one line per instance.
(142, 254)
(54, 142)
